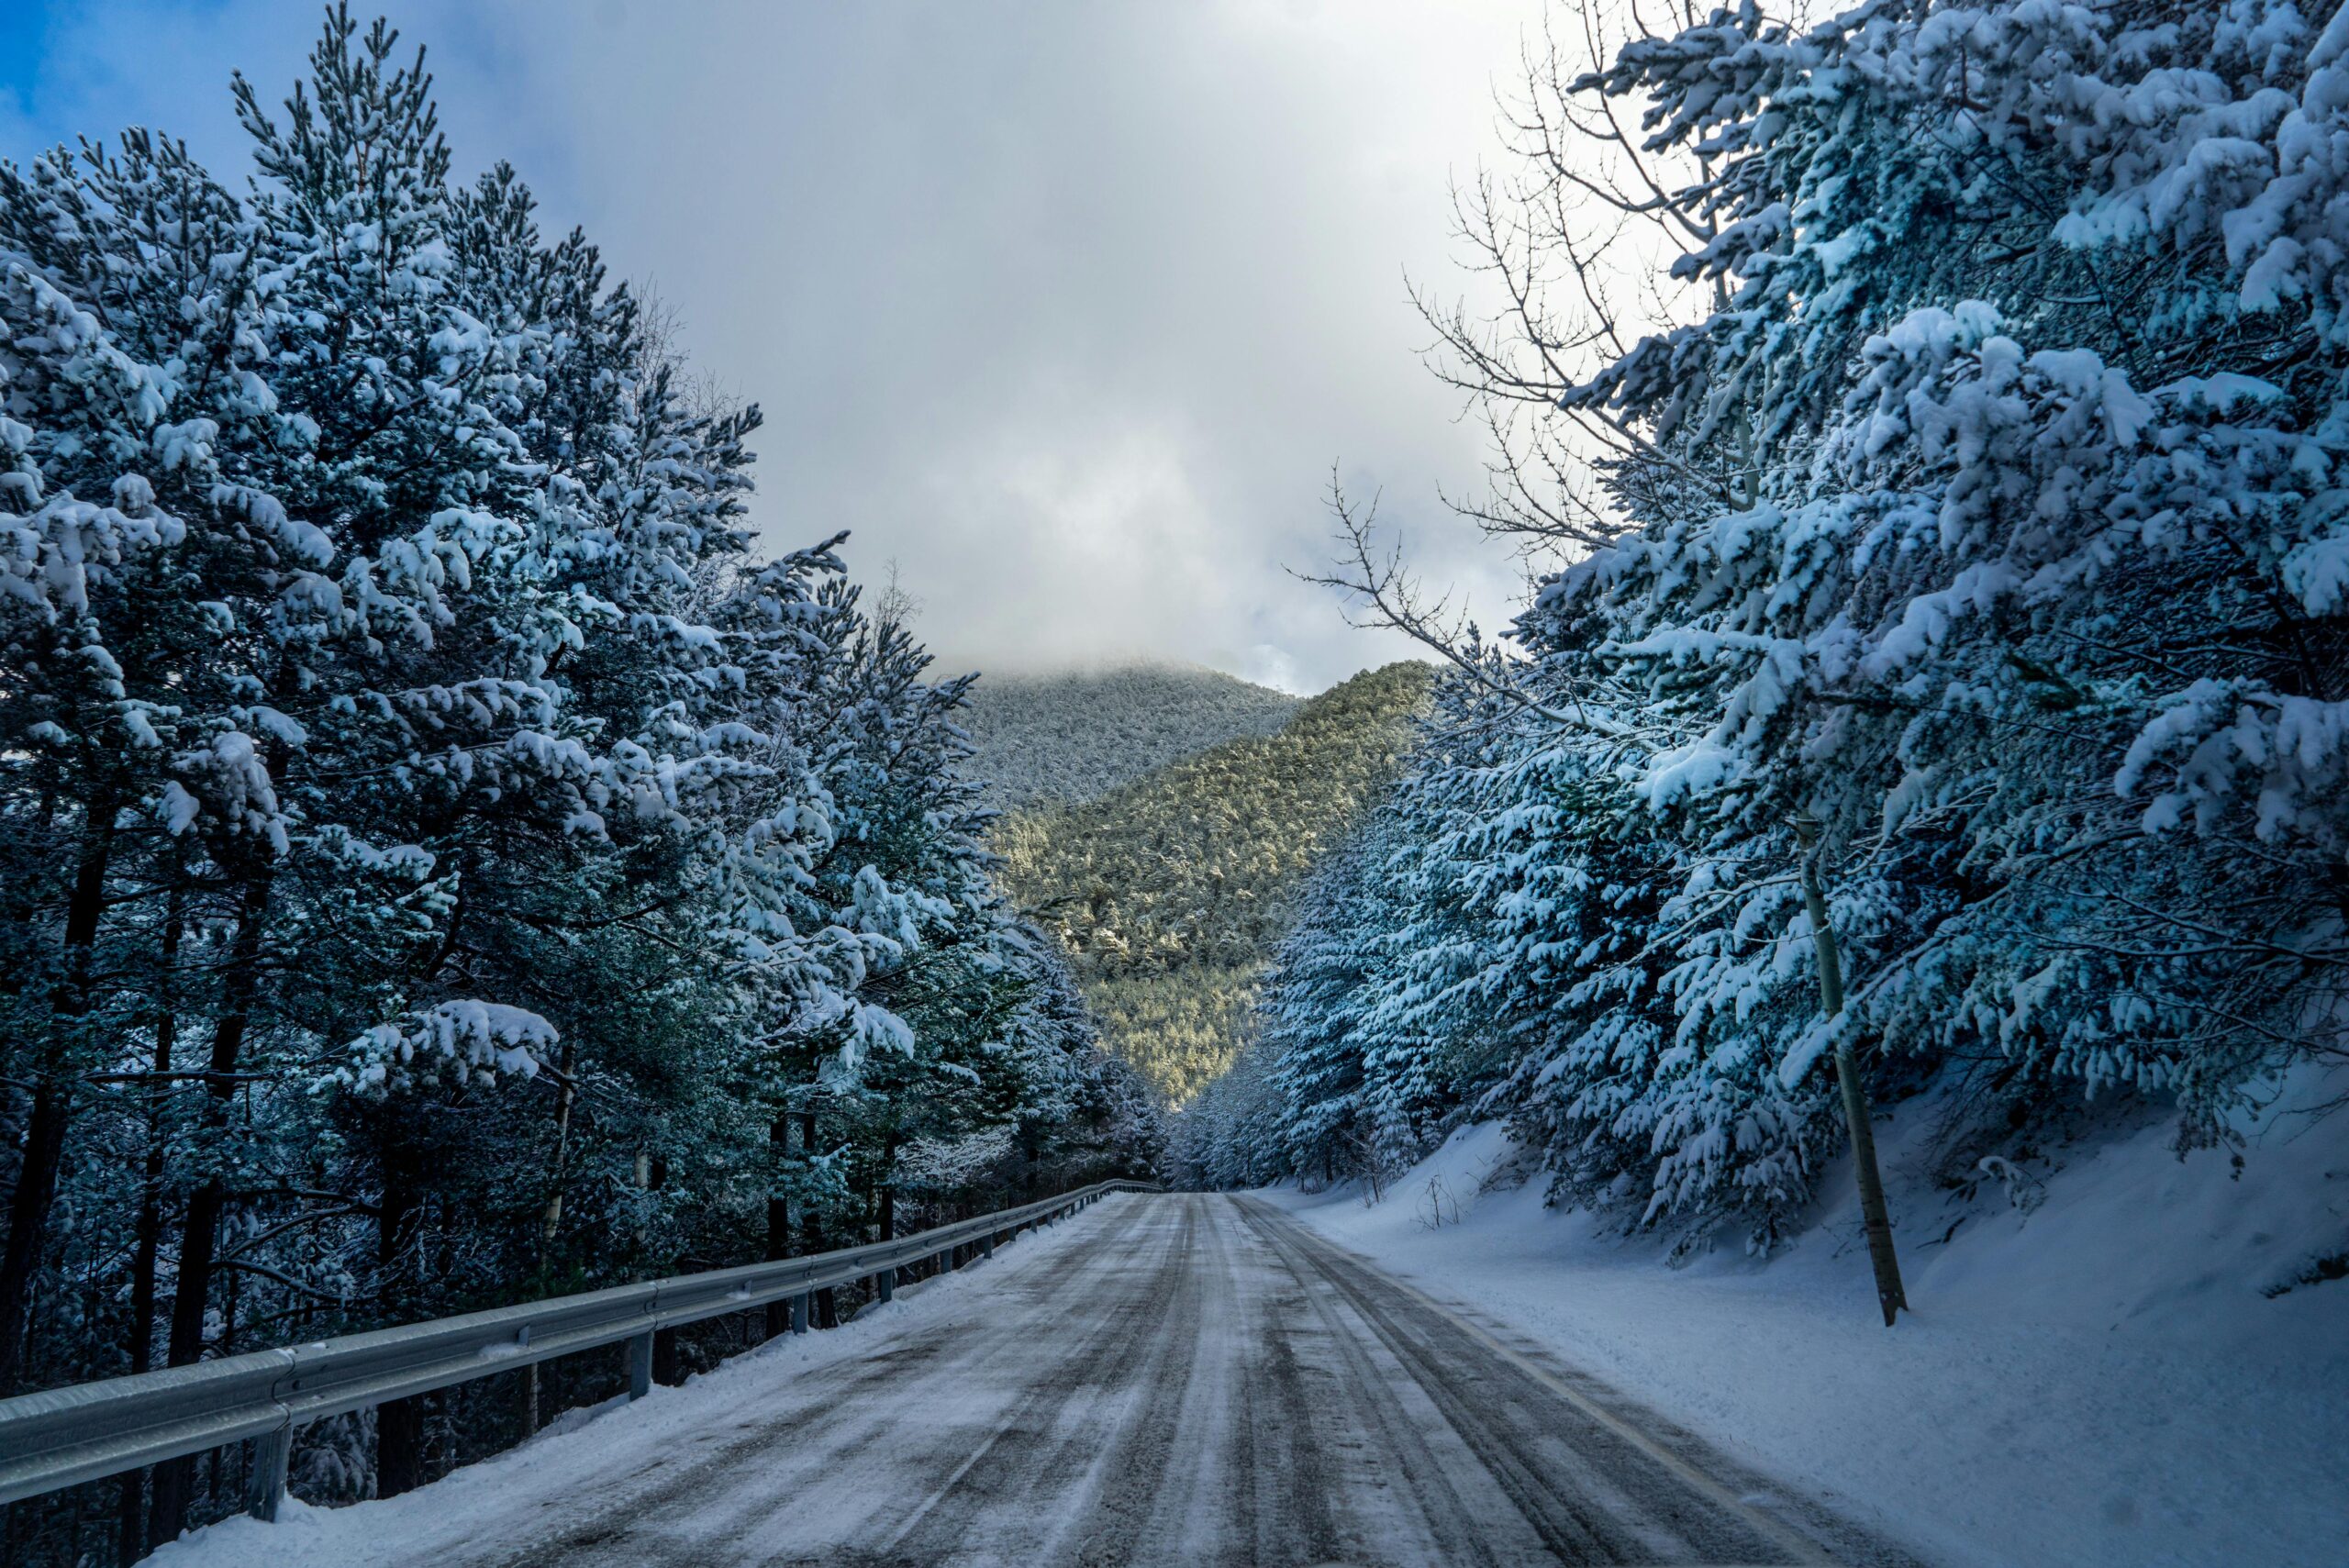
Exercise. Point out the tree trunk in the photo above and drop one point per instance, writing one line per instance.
(35, 1195)
(889, 1145)
(399, 1424)
(567, 1093)
(1857, 1116)
(148, 1230)
(811, 1235)
(778, 1313)
(550, 1223)
(243, 981)
(29, 1212)
(130, 1518)
(399, 1446)
(174, 1478)
(199, 1234)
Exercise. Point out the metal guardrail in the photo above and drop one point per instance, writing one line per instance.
(63, 1435)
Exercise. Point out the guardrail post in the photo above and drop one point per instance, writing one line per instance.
(266, 1488)
(803, 1308)
(887, 1281)
(986, 1245)
(639, 1366)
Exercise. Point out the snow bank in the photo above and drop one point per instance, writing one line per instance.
(2101, 1379)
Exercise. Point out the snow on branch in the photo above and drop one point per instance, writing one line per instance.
(452, 1042)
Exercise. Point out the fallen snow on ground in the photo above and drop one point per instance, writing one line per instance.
(2100, 1379)
(579, 1442)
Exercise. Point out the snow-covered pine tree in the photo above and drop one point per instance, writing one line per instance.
(438, 847)
(1975, 499)
(2021, 593)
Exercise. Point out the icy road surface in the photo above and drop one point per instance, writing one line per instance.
(1178, 1379)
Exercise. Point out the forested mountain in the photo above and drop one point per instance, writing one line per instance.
(444, 861)
(1170, 892)
(1073, 736)
(1968, 575)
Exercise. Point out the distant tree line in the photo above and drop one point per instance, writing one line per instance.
(1170, 892)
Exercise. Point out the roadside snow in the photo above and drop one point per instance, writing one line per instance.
(617, 1435)
(2099, 1381)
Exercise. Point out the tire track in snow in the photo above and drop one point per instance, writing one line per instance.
(1189, 1379)
(1458, 1515)
(1603, 1483)
(917, 1448)
(1054, 1438)
(827, 1419)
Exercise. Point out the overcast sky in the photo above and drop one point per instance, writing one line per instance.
(1065, 308)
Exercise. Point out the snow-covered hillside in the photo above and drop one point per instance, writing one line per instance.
(1072, 736)
(1170, 892)
(2136, 1360)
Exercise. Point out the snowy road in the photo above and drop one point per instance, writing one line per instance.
(1185, 1379)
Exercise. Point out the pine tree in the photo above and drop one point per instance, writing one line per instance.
(442, 853)
(1970, 501)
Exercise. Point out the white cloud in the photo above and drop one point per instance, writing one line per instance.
(1066, 307)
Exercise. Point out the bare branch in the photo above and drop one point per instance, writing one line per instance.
(1382, 592)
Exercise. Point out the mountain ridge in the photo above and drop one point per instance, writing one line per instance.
(1073, 735)
(1171, 890)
